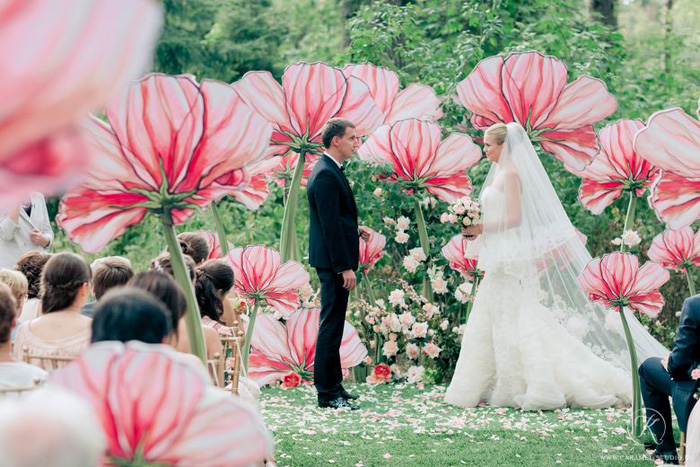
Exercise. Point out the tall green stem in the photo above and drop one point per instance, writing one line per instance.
(220, 231)
(368, 288)
(249, 336)
(629, 218)
(636, 392)
(288, 246)
(425, 244)
(470, 303)
(691, 284)
(193, 320)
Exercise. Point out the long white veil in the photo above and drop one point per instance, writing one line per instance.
(528, 234)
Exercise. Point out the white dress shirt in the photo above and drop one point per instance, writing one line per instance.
(14, 238)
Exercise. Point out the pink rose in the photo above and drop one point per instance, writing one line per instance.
(695, 374)
(291, 380)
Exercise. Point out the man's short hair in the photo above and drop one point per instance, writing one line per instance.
(108, 274)
(334, 127)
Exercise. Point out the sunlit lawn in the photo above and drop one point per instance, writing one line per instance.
(405, 426)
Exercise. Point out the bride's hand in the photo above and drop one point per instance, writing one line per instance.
(472, 231)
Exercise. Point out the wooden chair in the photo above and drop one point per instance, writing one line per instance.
(232, 346)
(20, 391)
(216, 368)
(47, 362)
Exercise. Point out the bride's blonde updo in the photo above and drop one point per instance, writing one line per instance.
(498, 131)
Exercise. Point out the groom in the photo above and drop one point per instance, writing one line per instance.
(334, 250)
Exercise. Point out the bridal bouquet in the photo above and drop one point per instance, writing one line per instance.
(465, 211)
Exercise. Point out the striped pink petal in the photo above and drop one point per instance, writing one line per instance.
(482, 93)
(616, 163)
(675, 199)
(671, 141)
(454, 252)
(676, 249)
(158, 407)
(372, 250)
(59, 61)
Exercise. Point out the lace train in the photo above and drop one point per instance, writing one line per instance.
(516, 354)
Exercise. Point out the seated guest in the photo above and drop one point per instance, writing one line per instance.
(661, 379)
(195, 246)
(50, 427)
(61, 330)
(109, 272)
(164, 288)
(213, 286)
(31, 265)
(130, 314)
(18, 286)
(162, 264)
(13, 374)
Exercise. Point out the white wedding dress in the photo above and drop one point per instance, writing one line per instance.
(533, 341)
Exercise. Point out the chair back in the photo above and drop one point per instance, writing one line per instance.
(47, 362)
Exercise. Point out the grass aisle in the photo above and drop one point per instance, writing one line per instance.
(405, 426)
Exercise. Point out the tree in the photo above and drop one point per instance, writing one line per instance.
(605, 11)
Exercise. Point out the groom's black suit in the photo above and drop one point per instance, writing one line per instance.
(334, 247)
(657, 383)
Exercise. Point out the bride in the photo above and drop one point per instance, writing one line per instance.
(533, 340)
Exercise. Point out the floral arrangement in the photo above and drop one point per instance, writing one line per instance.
(465, 212)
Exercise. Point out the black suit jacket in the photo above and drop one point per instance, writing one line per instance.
(684, 358)
(334, 241)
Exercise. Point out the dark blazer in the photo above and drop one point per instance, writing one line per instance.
(684, 358)
(334, 241)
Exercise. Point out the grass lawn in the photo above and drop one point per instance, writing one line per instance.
(402, 425)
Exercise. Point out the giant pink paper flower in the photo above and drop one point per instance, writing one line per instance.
(371, 250)
(58, 61)
(167, 143)
(671, 141)
(416, 101)
(310, 94)
(421, 159)
(454, 252)
(676, 249)
(261, 278)
(156, 407)
(283, 170)
(279, 348)
(254, 193)
(530, 88)
(616, 169)
(616, 280)
(213, 243)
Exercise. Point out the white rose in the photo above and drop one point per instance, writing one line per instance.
(415, 374)
(466, 222)
(401, 237)
(396, 297)
(452, 218)
(431, 350)
(459, 209)
(444, 325)
(444, 218)
(419, 330)
(377, 191)
(417, 254)
(410, 264)
(380, 303)
(390, 348)
(616, 241)
(406, 319)
(412, 351)
(439, 285)
(389, 221)
(631, 238)
(403, 223)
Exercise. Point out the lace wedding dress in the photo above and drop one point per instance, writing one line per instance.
(533, 340)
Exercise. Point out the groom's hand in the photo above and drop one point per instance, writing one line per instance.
(349, 279)
(364, 233)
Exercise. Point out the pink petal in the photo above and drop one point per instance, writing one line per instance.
(481, 93)
(575, 148)
(650, 277)
(270, 339)
(531, 85)
(416, 101)
(583, 102)
(383, 83)
(671, 248)
(454, 252)
(675, 199)
(261, 92)
(596, 196)
(302, 329)
(671, 141)
(456, 153)
(352, 350)
(359, 107)
(372, 250)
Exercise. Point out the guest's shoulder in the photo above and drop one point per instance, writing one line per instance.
(693, 303)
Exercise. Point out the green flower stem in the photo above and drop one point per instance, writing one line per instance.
(470, 303)
(368, 288)
(636, 392)
(691, 284)
(378, 350)
(193, 320)
(288, 244)
(249, 336)
(629, 219)
(220, 231)
(425, 244)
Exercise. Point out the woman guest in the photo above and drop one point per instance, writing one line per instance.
(61, 330)
(24, 228)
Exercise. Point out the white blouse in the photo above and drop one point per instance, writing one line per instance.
(14, 238)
